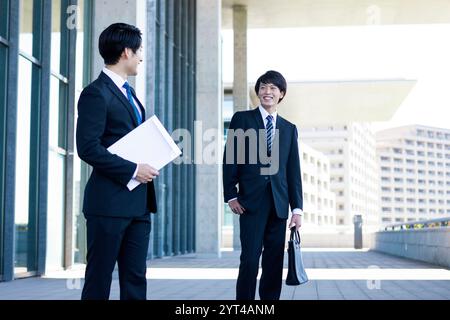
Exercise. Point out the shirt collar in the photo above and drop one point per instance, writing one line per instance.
(264, 114)
(118, 80)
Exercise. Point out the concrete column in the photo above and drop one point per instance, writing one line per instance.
(105, 14)
(209, 203)
(240, 81)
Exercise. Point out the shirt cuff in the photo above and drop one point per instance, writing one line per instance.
(135, 173)
(231, 200)
(297, 211)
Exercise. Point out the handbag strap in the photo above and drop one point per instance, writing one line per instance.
(295, 234)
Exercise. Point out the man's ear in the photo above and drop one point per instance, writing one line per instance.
(126, 54)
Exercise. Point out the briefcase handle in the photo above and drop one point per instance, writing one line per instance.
(295, 235)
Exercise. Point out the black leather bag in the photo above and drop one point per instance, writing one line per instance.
(296, 270)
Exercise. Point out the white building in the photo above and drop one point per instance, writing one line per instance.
(319, 204)
(351, 151)
(415, 173)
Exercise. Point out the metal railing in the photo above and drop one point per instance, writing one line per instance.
(421, 224)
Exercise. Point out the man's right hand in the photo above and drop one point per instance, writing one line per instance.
(146, 173)
(236, 207)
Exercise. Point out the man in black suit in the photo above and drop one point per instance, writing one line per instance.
(262, 159)
(118, 220)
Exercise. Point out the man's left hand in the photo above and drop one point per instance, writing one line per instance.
(296, 221)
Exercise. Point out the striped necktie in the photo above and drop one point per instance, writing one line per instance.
(269, 134)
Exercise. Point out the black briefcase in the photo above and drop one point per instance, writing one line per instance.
(296, 271)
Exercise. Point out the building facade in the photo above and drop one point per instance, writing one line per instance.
(354, 176)
(414, 164)
(319, 203)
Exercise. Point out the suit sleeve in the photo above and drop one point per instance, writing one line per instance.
(294, 174)
(92, 114)
(230, 166)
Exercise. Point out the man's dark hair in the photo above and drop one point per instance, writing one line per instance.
(275, 78)
(115, 39)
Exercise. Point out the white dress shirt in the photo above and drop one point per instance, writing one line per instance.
(119, 82)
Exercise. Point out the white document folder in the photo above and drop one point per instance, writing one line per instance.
(150, 143)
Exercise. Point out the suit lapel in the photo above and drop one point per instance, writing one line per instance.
(258, 119)
(280, 126)
(116, 91)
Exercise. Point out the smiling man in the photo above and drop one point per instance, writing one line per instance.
(262, 201)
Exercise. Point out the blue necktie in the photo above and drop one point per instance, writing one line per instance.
(269, 134)
(130, 98)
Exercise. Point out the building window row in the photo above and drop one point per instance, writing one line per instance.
(433, 134)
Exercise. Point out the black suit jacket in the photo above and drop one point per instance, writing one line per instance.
(286, 182)
(104, 116)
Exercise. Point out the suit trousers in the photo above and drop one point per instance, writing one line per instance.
(121, 240)
(261, 232)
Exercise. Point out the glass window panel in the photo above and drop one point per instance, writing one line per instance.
(3, 60)
(25, 241)
(56, 36)
(55, 210)
(3, 52)
(54, 113)
(79, 64)
(63, 91)
(26, 26)
(4, 18)
(58, 107)
(228, 216)
(56, 179)
(79, 168)
(158, 9)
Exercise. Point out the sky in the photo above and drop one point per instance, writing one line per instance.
(412, 52)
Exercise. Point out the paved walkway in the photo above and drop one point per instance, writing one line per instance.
(334, 274)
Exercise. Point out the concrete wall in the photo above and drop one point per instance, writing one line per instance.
(334, 240)
(312, 240)
(428, 245)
